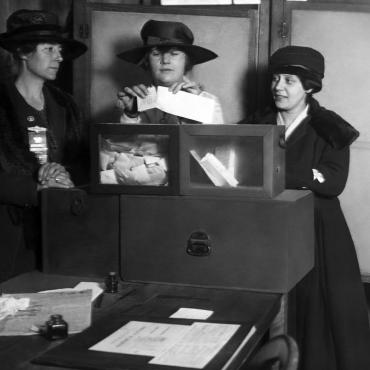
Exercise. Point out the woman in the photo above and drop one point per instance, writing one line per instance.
(40, 133)
(169, 54)
(332, 324)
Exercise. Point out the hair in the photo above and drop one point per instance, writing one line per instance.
(310, 84)
(25, 48)
(144, 63)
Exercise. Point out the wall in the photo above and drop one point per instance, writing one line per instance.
(341, 35)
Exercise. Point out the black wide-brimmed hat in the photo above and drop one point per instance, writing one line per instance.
(168, 34)
(24, 26)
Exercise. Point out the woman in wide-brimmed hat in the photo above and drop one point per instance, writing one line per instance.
(332, 328)
(169, 53)
(40, 131)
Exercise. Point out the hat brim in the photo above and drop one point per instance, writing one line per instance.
(196, 53)
(71, 48)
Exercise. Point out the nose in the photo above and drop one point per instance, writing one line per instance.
(165, 58)
(58, 56)
(278, 83)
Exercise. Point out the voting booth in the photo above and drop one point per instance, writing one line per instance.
(202, 223)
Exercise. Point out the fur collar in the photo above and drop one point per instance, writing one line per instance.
(331, 127)
(328, 125)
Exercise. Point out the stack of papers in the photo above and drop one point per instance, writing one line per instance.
(215, 170)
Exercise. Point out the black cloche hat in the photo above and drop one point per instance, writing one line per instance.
(25, 26)
(300, 60)
(167, 34)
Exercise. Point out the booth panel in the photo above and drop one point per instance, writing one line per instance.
(263, 245)
(80, 232)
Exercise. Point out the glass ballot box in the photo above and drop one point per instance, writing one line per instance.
(191, 159)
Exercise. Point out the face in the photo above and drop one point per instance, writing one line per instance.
(44, 61)
(288, 92)
(167, 65)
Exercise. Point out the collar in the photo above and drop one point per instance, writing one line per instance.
(298, 120)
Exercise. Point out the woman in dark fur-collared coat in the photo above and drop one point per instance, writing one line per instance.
(332, 328)
(41, 136)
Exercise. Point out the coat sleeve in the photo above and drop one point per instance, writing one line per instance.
(334, 166)
(332, 163)
(18, 190)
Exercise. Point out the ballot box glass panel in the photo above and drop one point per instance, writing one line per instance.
(232, 160)
(190, 159)
(134, 159)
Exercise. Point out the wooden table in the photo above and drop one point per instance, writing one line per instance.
(143, 301)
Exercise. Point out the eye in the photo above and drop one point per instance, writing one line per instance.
(275, 78)
(154, 52)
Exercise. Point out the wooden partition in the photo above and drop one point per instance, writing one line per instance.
(109, 29)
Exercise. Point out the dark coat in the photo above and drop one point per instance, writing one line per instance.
(19, 213)
(332, 328)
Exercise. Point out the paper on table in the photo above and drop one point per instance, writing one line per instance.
(191, 313)
(141, 338)
(170, 344)
(74, 306)
(83, 285)
(183, 104)
(198, 346)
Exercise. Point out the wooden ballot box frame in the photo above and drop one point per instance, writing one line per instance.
(215, 160)
(256, 150)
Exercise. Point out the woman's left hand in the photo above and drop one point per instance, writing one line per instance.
(187, 85)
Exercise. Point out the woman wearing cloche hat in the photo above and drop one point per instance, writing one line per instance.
(169, 53)
(332, 323)
(40, 132)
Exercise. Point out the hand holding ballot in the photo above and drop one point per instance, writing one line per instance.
(184, 99)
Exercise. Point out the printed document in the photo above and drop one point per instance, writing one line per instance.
(170, 344)
(183, 104)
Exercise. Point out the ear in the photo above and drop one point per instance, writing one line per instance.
(21, 55)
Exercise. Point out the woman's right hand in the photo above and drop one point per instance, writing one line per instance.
(125, 98)
(54, 175)
(56, 182)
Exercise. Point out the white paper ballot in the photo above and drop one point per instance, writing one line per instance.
(183, 104)
(191, 313)
(170, 344)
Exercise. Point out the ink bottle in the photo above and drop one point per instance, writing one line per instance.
(111, 283)
(56, 328)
